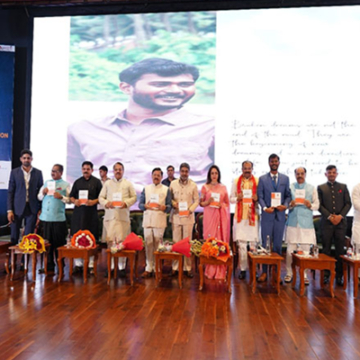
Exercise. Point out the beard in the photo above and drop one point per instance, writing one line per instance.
(146, 101)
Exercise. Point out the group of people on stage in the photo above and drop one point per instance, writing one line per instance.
(272, 193)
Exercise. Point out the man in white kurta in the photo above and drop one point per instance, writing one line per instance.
(246, 217)
(155, 201)
(117, 196)
(185, 199)
(355, 237)
(299, 226)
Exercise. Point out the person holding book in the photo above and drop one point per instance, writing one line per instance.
(246, 217)
(54, 194)
(274, 198)
(155, 201)
(216, 221)
(84, 195)
(300, 226)
(117, 196)
(185, 200)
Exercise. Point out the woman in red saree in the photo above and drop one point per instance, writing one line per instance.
(216, 221)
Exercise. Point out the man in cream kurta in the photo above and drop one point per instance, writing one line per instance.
(185, 199)
(155, 201)
(246, 218)
(300, 226)
(355, 238)
(117, 196)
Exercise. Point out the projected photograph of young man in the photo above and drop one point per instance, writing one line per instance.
(155, 126)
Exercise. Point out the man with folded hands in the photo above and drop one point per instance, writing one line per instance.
(299, 225)
(117, 196)
(185, 200)
(335, 203)
(155, 201)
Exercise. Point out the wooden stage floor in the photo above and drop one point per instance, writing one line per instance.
(48, 320)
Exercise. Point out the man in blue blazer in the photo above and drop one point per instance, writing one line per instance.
(273, 218)
(22, 202)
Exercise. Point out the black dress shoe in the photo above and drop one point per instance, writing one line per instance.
(77, 270)
(107, 274)
(189, 274)
(326, 279)
(340, 281)
(51, 268)
(242, 275)
(174, 273)
(122, 273)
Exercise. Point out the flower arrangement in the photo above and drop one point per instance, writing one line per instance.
(215, 248)
(131, 242)
(83, 239)
(116, 246)
(165, 247)
(31, 243)
(195, 247)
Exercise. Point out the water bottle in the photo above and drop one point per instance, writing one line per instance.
(268, 245)
(349, 252)
(316, 251)
(68, 239)
(357, 253)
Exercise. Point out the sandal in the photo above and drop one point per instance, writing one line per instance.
(288, 278)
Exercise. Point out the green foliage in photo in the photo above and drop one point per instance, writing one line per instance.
(102, 46)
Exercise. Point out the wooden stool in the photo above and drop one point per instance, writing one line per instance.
(14, 250)
(323, 262)
(355, 264)
(167, 256)
(272, 259)
(129, 254)
(75, 253)
(213, 261)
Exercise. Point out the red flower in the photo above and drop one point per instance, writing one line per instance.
(340, 191)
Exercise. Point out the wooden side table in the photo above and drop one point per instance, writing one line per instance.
(213, 261)
(272, 259)
(355, 264)
(4, 249)
(130, 254)
(323, 262)
(167, 255)
(14, 250)
(75, 253)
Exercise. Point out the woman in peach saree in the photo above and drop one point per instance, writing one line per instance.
(216, 221)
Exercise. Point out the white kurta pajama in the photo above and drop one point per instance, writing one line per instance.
(117, 221)
(243, 232)
(182, 227)
(154, 221)
(296, 232)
